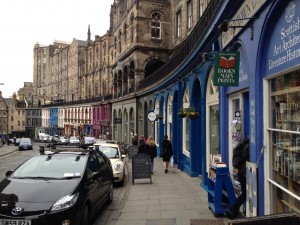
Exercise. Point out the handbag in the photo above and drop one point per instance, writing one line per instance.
(171, 161)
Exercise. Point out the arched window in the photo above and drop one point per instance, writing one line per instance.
(212, 118)
(120, 37)
(125, 33)
(155, 26)
(104, 49)
(131, 28)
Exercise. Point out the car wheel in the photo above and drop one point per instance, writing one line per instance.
(85, 216)
(111, 192)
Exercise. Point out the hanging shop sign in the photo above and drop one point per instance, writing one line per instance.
(152, 114)
(227, 68)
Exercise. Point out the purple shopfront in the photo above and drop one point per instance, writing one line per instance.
(102, 120)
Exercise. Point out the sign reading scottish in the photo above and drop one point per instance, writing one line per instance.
(283, 42)
(227, 68)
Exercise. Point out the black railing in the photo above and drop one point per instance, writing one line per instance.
(185, 49)
(81, 101)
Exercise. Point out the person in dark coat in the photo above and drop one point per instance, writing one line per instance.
(150, 148)
(167, 152)
(233, 212)
(134, 140)
(141, 147)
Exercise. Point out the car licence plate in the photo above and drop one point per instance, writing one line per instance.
(14, 222)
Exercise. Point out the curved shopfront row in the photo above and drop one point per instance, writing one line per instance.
(264, 106)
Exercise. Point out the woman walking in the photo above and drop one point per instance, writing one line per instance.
(167, 152)
(150, 148)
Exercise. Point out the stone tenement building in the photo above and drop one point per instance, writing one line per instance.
(3, 116)
(141, 38)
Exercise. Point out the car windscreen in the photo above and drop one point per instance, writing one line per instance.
(110, 152)
(51, 167)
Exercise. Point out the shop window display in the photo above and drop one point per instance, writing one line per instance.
(285, 142)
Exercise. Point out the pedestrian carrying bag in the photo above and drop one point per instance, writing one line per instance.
(239, 154)
(171, 161)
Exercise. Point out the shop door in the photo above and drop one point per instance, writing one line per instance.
(239, 117)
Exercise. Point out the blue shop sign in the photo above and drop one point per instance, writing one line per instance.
(243, 73)
(283, 51)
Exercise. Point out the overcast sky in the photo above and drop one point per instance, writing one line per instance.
(25, 22)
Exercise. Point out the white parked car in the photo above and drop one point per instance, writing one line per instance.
(62, 141)
(73, 140)
(112, 151)
(87, 141)
(101, 141)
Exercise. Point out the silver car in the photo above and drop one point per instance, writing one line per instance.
(63, 140)
(73, 140)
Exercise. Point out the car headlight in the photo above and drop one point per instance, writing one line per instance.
(118, 167)
(65, 202)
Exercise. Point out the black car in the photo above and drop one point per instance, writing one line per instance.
(25, 144)
(57, 187)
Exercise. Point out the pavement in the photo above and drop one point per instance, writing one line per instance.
(173, 198)
(7, 149)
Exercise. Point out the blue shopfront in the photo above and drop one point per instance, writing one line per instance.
(53, 125)
(241, 107)
(265, 105)
(280, 71)
(188, 133)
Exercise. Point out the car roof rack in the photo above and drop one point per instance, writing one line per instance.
(57, 149)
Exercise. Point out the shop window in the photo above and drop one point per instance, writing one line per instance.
(285, 142)
(186, 124)
(169, 117)
(157, 123)
(212, 119)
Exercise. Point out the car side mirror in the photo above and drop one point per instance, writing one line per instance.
(8, 173)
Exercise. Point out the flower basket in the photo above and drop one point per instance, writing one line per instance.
(182, 113)
(159, 116)
(193, 115)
